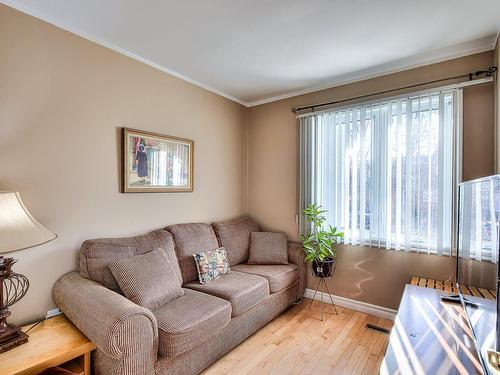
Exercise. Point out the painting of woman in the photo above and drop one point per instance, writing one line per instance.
(157, 163)
(141, 158)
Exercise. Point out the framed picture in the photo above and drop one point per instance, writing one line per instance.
(156, 163)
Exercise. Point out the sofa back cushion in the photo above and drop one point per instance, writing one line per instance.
(148, 280)
(234, 236)
(268, 248)
(96, 254)
(191, 239)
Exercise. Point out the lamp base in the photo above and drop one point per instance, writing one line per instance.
(18, 338)
(13, 287)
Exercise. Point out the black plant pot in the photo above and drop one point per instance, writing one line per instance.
(324, 269)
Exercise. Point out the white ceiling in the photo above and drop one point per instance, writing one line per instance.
(255, 51)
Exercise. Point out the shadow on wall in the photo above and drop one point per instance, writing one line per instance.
(364, 276)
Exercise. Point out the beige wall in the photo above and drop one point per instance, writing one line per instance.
(62, 101)
(366, 274)
(479, 130)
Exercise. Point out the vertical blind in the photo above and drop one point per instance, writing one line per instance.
(384, 171)
(479, 215)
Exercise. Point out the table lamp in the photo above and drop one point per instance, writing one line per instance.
(18, 230)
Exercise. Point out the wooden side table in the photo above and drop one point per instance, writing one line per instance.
(54, 342)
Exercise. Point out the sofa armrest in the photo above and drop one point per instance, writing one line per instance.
(296, 256)
(122, 330)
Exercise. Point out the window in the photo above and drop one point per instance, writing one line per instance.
(479, 215)
(384, 171)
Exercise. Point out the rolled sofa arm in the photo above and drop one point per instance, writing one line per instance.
(124, 333)
(296, 256)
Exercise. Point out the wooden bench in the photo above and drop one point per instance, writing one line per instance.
(450, 287)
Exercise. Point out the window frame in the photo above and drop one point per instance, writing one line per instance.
(456, 167)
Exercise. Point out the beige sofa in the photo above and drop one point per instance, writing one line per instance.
(189, 333)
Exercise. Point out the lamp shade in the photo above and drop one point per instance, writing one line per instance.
(18, 229)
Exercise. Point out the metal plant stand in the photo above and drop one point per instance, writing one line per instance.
(323, 273)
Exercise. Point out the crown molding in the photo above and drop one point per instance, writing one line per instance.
(448, 53)
(416, 61)
(115, 48)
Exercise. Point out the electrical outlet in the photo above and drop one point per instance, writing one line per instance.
(52, 313)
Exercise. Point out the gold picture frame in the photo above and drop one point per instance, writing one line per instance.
(156, 163)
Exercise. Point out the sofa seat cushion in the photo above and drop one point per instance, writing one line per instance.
(189, 321)
(243, 290)
(234, 236)
(278, 276)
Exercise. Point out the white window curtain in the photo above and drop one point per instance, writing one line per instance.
(384, 170)
(479, 215)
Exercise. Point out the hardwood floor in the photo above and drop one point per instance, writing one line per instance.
(298, 342)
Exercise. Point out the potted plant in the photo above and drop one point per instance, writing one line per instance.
(319, 242)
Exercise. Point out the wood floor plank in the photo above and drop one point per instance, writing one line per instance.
(355, 333)
(370, 365)
(298, 342)
(321, 347)
(376, 368)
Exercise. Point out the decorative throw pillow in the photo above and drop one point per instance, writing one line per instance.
(149, 280)
(268, 248)
(211, 264)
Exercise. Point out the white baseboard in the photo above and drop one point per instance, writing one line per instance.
(368, 308)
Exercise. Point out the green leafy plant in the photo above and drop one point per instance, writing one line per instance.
(319, 242)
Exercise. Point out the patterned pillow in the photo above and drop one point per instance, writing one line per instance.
(211, 264)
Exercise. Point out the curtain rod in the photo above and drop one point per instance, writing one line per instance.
(486, 73)
(393, 97)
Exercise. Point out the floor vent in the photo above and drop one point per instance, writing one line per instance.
(378, 328)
